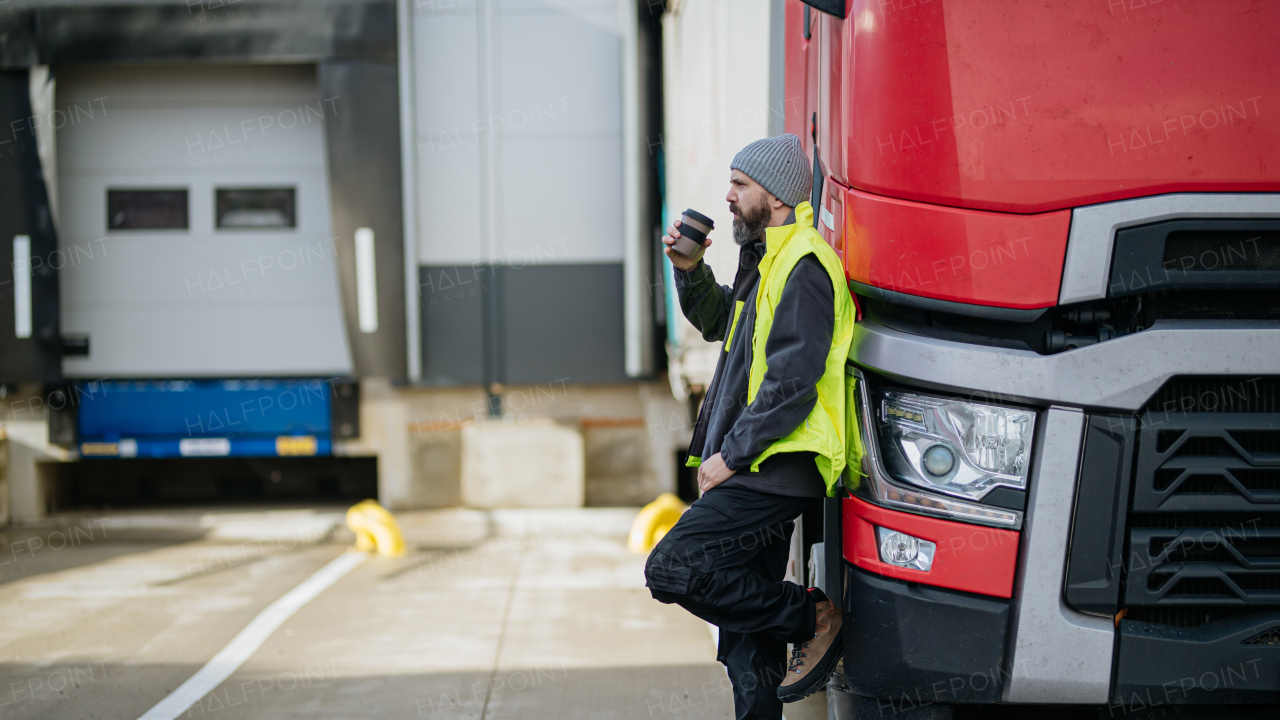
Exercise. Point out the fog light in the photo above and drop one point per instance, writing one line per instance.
(903, 550)
(899, 549)
(938, 460)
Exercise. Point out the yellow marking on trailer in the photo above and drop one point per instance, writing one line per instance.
(295, 445)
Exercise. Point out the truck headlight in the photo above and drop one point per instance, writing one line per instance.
(949, 446)
(890, 424)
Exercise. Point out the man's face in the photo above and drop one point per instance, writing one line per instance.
(749, 203)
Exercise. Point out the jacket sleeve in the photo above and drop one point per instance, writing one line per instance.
(708, 305)
(796, 355)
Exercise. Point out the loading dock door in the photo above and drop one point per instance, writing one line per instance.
(195, 225)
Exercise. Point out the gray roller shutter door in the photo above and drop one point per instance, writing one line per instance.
(202, 301)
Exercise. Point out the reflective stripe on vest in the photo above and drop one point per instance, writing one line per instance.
(737, 312)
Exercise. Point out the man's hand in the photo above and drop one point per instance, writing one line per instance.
(712, 472)
(681, 262)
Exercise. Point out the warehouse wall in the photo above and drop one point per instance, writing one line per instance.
(520, 191)
(523, 244)
(717, 99)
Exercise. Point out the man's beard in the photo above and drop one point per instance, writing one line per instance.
(749, 226)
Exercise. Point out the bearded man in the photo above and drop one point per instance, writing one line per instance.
(769, 441)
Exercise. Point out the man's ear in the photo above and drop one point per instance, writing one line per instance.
(774, 203)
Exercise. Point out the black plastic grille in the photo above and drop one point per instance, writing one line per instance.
(1199, 264)
(1259, 394)
(1188, 616)
(1203, 528)
(1188, 566)
(1270, 637)
(1221, 250)
(1208, 461)
(1177, 520)
(1207, 304)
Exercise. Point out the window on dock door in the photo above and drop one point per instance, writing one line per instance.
(147, 209)
(255, 208)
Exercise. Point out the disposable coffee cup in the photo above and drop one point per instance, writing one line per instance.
(694, 227)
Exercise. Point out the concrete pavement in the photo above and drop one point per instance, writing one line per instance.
(500, 614)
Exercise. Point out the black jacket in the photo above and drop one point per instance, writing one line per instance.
(796, 352)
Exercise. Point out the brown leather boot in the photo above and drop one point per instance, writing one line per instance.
(813, 662)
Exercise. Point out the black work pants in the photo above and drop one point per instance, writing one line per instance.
(724, 562)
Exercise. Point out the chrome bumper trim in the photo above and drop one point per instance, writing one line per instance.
(1120, 374)
(1056, 654)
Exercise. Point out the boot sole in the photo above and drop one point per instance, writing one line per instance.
(817, 680)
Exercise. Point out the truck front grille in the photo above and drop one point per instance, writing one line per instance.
(1270, 637)
(1186, 617)
(1259, 394)
(1218, 250)
(1203, 527)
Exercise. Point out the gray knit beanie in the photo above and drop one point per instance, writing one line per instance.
(779, 164)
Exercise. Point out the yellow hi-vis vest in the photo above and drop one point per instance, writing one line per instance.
(827, 428)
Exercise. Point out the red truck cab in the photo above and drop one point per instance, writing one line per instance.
(1061, 225)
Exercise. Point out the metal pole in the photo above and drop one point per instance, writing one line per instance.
(409, 188)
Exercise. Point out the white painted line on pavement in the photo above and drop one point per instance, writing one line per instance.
(242, 646)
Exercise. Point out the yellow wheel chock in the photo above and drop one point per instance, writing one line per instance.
(375, 529)
(654, 522)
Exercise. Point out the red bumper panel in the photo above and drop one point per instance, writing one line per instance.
(970, 558)
(946, 253)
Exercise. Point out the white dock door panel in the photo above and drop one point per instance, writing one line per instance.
(254, 297)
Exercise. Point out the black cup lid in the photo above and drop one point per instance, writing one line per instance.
(700, 218)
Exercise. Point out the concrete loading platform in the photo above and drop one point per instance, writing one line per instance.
(497, 614)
